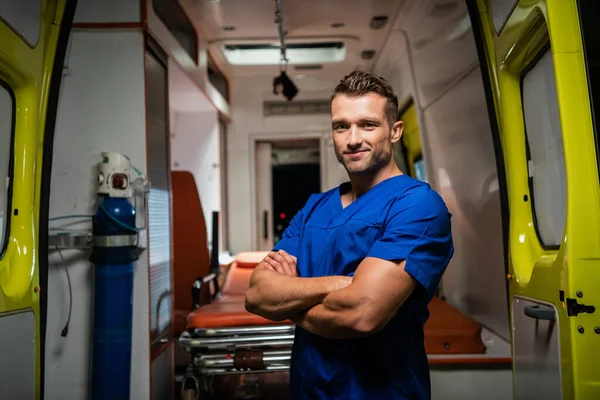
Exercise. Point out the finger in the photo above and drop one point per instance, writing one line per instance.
(289, 270)
(291, 261)
(275, 265)
(264, 265)
(288, 263)
(288, 254)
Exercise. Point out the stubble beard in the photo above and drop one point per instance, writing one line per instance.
(368, 166)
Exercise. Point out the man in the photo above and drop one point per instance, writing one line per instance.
(358, 265)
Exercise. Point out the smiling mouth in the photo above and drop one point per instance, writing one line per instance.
(356, 155)
(352, 153)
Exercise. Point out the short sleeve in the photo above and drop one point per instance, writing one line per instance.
(418, 229)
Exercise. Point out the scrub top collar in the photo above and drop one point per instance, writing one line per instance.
(346, 186)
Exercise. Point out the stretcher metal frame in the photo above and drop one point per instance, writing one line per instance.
(230, 350)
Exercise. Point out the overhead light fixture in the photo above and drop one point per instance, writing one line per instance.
(367, 54)
(378, 22)
(308, 67)
(296, 53)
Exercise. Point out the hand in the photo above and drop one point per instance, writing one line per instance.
(282, 262)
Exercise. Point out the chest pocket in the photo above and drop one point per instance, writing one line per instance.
(342, 248)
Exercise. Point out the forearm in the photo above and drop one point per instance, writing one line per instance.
(278, 297)
(340, 316)
(327, 323)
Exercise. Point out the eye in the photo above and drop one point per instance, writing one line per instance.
(369, 125)
(340, 127)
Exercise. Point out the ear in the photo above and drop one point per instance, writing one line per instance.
(396, 132)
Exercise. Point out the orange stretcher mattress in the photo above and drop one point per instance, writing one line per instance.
(228, 312)
(449, 331)
(229, 309)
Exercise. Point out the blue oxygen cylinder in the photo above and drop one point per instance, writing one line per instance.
(113, 257)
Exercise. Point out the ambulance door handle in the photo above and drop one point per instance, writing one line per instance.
(540, 312)
(266, 224)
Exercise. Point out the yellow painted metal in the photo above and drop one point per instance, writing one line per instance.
(536, 272)
(411, 136)
(27, 71)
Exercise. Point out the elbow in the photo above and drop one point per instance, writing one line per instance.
(369, 322)
(366, 327)
(251, 302)
(256, 305)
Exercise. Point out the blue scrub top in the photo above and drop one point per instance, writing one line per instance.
(400, 218)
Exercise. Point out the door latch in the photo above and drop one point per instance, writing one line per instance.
(573, 307)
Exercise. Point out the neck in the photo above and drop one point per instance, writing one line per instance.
(362, 183)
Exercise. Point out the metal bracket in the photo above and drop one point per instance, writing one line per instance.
(70, 240)
(116, 241)
(86, 240)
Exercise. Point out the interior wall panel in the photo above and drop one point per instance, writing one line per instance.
(159, 198)
(110, 65)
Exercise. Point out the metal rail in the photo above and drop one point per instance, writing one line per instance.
(241, 330)
(237, 342)
(279, 21)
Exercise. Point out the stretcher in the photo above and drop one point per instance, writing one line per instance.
(223, 338)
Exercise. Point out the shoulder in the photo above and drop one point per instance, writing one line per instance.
(418, 201)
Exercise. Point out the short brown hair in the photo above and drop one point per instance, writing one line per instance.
(358, 83)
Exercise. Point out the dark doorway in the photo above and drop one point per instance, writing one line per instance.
(296, 175)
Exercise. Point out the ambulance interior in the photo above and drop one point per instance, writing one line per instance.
(191, 94)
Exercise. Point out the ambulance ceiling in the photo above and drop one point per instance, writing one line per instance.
(324, 36)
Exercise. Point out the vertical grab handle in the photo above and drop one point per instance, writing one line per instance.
(266, 224)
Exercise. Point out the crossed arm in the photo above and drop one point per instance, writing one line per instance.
(336, 307)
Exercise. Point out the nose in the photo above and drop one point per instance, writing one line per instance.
(355, 138)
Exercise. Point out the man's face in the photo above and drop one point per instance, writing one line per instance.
(361, 136)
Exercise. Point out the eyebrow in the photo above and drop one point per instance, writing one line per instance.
(361, 121)
(370, 120)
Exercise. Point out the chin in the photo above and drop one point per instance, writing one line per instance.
(357, 169)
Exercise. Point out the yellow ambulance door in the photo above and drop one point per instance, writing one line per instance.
(33, 39)
(534, 64)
